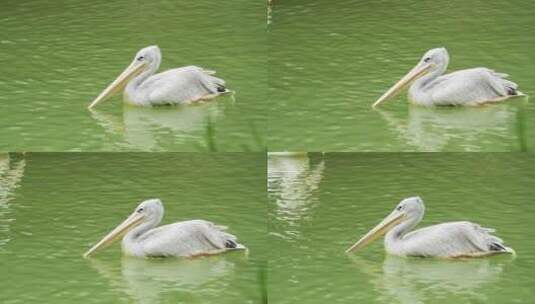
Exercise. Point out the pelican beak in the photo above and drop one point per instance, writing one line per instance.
(131, 222)
(134, 69)
(418, 71)
(383, 227)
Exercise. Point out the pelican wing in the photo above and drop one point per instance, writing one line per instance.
(189, 238)
(182, 85)
(471, 87)
(454, 239)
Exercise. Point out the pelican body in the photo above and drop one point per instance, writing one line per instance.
(176, 86)
(447, 240)
(461, 88)
(182, 239)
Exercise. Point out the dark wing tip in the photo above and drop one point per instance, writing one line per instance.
(512, 91)
(231, 244)
(497, 247)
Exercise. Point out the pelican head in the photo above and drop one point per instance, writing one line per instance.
(433, 60)
(148, 58)
(149, 213)
(408, 212)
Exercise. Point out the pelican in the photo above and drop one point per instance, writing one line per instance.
(461, 88)
(447, 240)
(177, 86)
(183, 239)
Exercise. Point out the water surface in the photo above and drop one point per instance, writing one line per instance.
(57, 57)
(320, 205)
(329, 61)
(53, 207)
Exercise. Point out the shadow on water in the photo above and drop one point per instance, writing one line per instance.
(210, 140)
(456, 128)
(262, 282)
(151, 280)
(420, 280)
(521, 129)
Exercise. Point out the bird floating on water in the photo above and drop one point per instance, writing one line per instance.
(182, 239)
(469, 87)
(176, 86)
(447, 240)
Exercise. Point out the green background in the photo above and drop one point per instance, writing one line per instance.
(57, 56)
(320, 205)
(330, 60)
(53, 207)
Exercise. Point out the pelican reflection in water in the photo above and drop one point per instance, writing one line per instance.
(463, 88)
(293, 179)
(293, 182)
(176, 86)
(417, 281)
(181, 239)
(150, 281)
(12, 167)
(152, 129)
(459, 129)
(447, 240)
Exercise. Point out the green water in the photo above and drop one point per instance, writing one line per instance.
(330, 60)
(56, 57)
(320, 205)
(53, 207)
(305, 81)
(313, 75)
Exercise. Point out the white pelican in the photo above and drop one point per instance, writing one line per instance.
(447, 240)
(176, 86)
(462, 88)
(182, 239)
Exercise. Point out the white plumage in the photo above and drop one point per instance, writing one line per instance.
(447, 240)
(188, 238)
(461, 88)
(181, 239)
(176, 86)
(453, 239)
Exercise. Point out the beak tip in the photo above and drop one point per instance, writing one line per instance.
(350, 249)
(88, 253)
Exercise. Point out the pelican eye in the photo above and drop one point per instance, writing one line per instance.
(399, 207)
(140, 210)
(427, 59)
(140, 58)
